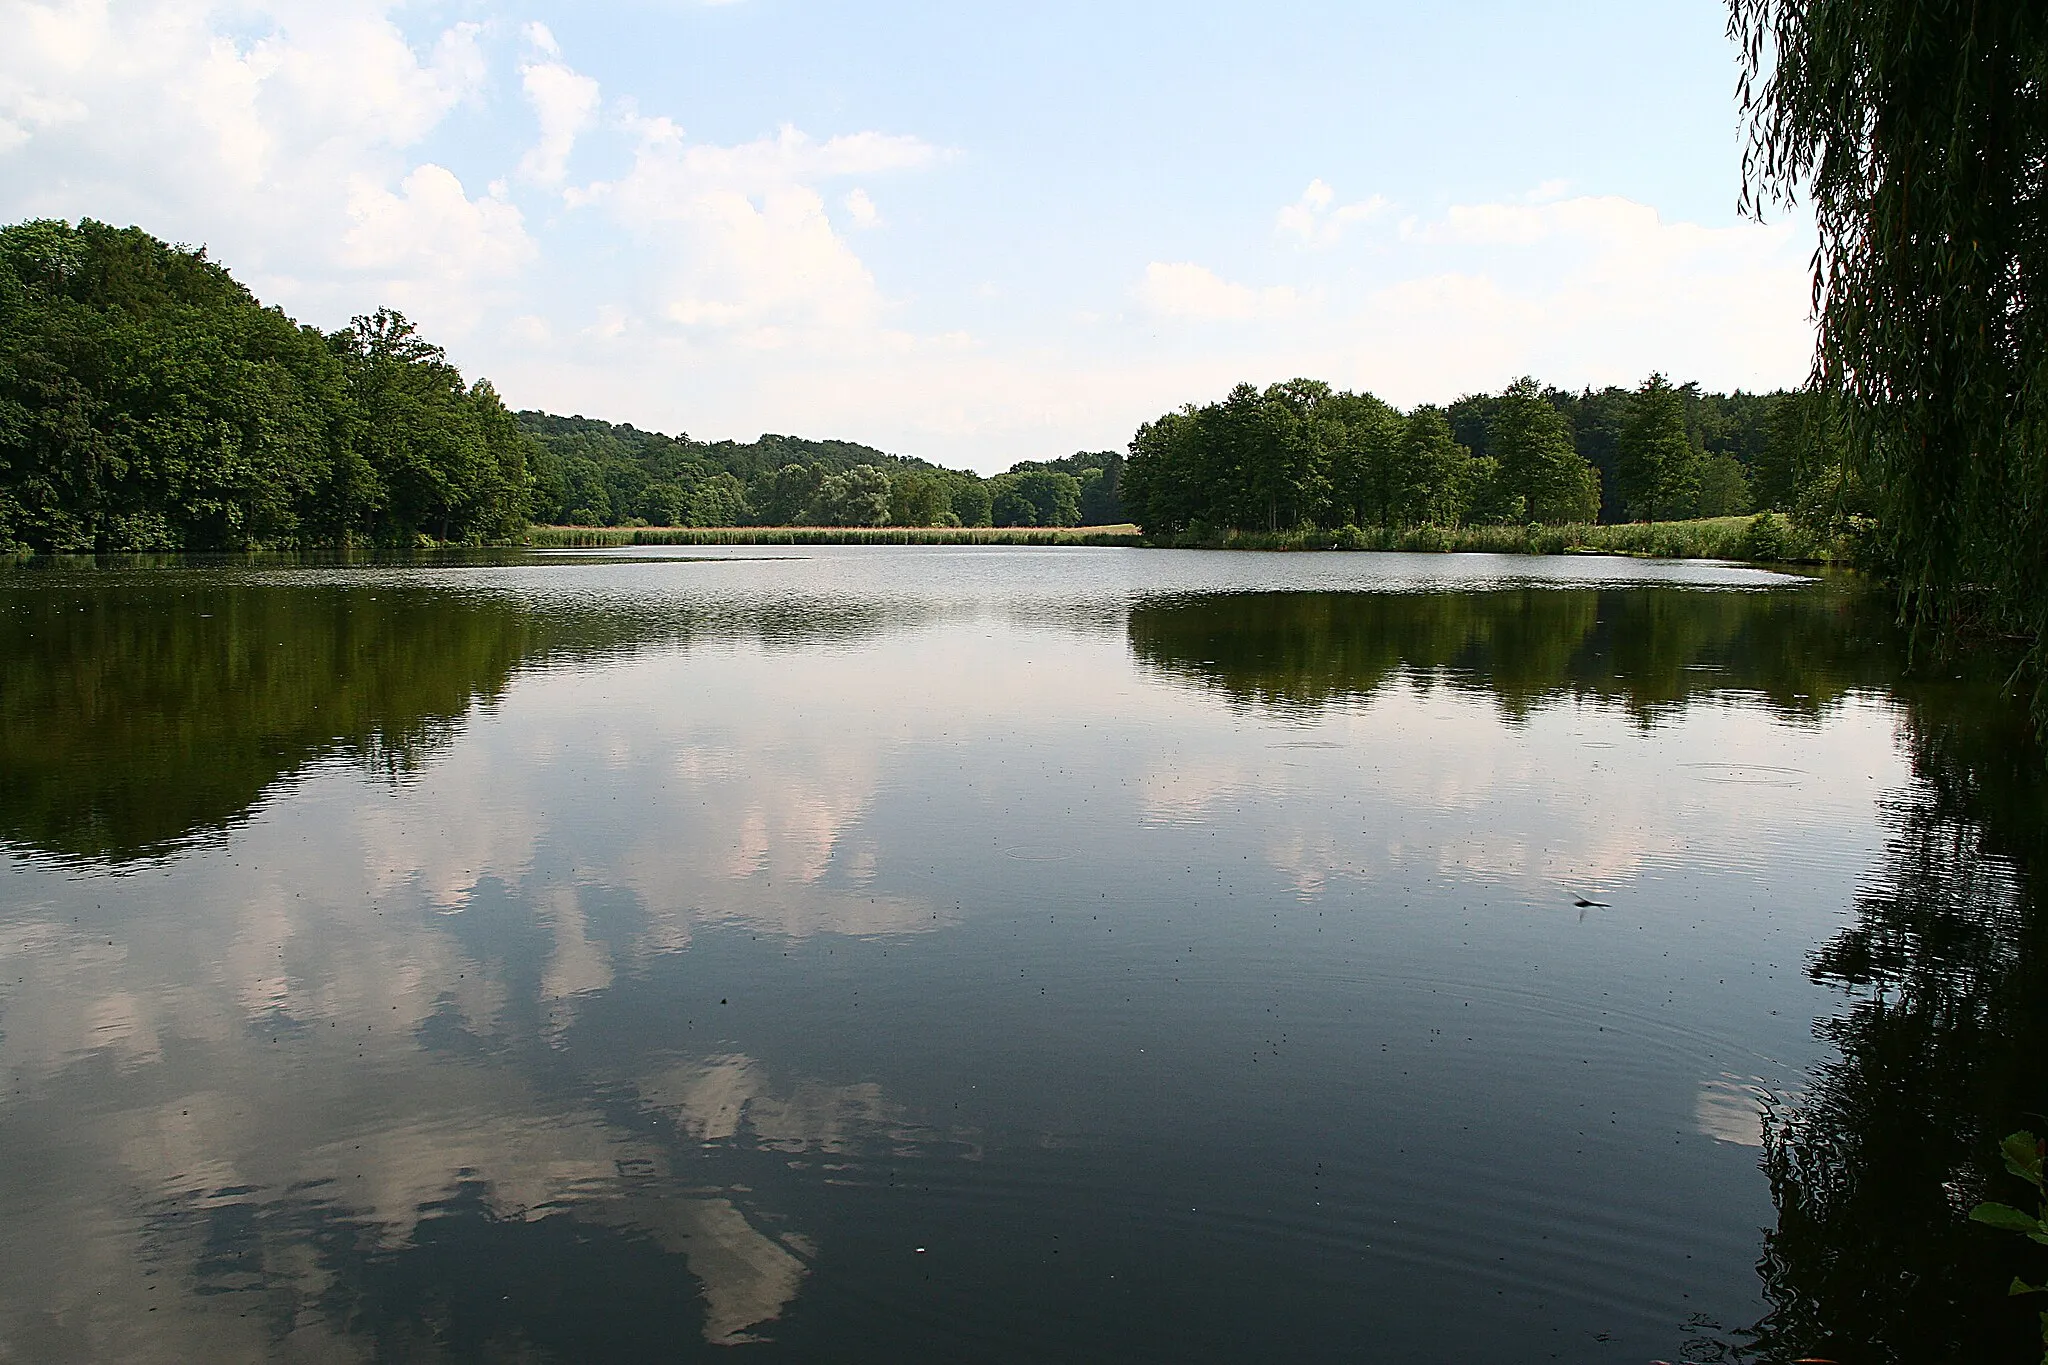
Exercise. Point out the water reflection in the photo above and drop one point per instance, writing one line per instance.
(1943, 973)
(348, 1118)
(331, 1110)
(1940, 1043)
(1649, 648)
(632, 962)
(136, 715)
(140, 707)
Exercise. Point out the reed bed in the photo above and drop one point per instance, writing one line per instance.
(601, 537)
(1768, 538)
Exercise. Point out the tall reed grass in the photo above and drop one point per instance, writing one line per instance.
(1768, 538)
(599, 537)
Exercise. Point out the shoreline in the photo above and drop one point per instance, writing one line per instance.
(1765, 539)
(1768, 538)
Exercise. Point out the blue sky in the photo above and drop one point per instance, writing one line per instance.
(972, 234)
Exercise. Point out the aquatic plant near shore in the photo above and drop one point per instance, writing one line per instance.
(2023, 1155)
(602, 537)
(1767, 538)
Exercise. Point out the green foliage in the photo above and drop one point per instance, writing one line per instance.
(1805, 467)
(1596, 417)
(1917, 130)
(2023, 1154)
(970, 499)
(919, 499)
(1100, 474)
(1301, 457)
(1294, 456)
(1533, 443)
(424, 454)
(1655, 463)
(720, 500)
(1770, 538)
(149, 402)
(1723, 486)
(1431, 479)
(1678, 453)
(780, 496)
(1365, 438)
(1035, 497)
(592, 473)
(857, 497)
(599, 537)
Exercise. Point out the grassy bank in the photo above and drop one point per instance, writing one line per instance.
(1770, 538)
(1767, 539)
(600, 537)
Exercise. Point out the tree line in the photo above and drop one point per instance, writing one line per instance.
(148, 401)
(593, 473)
(1303, 454)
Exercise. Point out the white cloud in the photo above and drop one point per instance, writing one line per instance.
(431, 226)
(280, 141)
(1182, 289)
(1600, 295)
(765, 163)
(542, 38)
(1316, 219)
(565, 101)
(742, 230)
(1603, 289)
(719, 288)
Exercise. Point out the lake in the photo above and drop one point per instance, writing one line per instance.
(1003, 955)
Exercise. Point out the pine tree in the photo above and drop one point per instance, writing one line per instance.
(1533, 443)
(1655, 462)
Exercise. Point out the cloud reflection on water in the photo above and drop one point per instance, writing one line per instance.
(458, 1005)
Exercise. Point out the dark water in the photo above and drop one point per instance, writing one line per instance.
(1003, 955)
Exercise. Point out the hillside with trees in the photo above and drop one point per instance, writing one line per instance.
(150, 402)
(1304, 455)
(592, 473)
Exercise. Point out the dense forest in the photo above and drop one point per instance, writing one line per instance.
(148, 401)
(591, 473)
(1302, 454)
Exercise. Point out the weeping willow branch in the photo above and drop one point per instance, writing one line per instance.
(1917, 130)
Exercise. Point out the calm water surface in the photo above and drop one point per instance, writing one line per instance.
(946, 954)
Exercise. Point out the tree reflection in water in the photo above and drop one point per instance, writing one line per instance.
(136, 713)
(1645, 648)
(1943, 1030)
(1940, 1055)
(141, 707)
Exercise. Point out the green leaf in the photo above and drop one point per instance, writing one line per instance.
(2023, 1157)
(2006, 1217)
(2020, 1286)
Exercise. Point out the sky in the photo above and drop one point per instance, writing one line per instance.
(974, 234)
